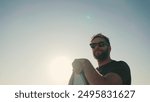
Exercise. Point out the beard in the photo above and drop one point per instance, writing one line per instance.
(102, 56)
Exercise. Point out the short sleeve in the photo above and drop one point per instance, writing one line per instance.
(123, 71)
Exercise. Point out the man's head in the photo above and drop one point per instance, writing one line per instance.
(100, 46)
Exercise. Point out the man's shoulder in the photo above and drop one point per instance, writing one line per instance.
(120, 62)
(119, 65)
(123, 63)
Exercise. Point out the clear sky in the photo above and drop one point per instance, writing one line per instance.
(39, 39)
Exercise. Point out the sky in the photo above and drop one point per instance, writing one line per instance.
(39, 39)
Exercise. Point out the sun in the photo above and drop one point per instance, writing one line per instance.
(60, 70)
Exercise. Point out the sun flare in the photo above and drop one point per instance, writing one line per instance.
(60, 70)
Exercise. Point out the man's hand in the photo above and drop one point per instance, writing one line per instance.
(79, 64)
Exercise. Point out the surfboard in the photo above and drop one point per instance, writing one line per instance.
(78, 79)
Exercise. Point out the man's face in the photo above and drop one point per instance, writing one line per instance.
(100, 48)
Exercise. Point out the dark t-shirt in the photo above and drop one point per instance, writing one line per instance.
(119, 67)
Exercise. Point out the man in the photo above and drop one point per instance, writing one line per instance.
(109, 72)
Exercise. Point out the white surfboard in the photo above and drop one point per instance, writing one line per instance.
(78, 79)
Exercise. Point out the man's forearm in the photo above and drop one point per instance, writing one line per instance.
(93, 77)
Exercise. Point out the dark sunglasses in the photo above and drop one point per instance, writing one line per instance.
(100, 44)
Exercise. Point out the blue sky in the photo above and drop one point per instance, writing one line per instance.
(40, 38)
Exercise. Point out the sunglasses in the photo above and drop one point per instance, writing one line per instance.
(100, 44)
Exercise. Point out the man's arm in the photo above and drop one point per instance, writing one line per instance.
(93, 76)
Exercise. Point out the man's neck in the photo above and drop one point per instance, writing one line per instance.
(103, 62)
